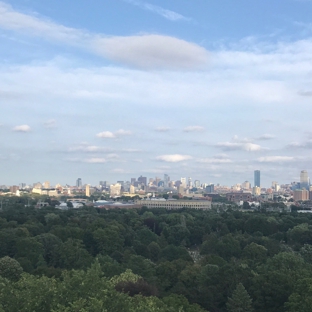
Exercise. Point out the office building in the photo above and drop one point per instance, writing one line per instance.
(166, 180)
(183, 182)
(142, 180)
(301, 195)
(304, 180)
(197, 183)
(257, 178)
(79, 183)
(115, 190)
(210, 188)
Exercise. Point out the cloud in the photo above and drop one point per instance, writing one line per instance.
(89, 148)
(170, 15)
(305, 145)
(152, 52)
(194, 129)
(173, 158)
(22, 128)
(305, 93)
(95, 160)
(113, 135)
(11, 19)
(162, 129)
(148, 51)
(274, 159)
(51, 123)
(249, 147)
(106, 135)
(215, 161)
(265, 137)
(131, 150)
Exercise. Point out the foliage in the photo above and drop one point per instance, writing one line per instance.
(153, 260)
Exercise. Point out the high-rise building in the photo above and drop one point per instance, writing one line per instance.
(46, 184)
(183, 182)
(301, 195)
(115, 190)
(79, 183)
(166, 180)
(142, 180)
(197, 183)
(304, 180)
(88, 190)
(189, 182)
(132, 189)
(257, 178)
(246, 185)
(210, 188)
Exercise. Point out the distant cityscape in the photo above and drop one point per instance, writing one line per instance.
(184, 187)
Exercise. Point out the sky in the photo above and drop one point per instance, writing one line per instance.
(109, 90)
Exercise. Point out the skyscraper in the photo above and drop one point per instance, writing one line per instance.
(79, 183)
(257, 178)
(166, 180)
(304, 179)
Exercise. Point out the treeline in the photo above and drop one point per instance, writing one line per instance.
(186, 260)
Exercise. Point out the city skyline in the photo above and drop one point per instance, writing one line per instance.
(211, 91)
(186, 182)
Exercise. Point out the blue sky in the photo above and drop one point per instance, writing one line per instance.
(109, 90)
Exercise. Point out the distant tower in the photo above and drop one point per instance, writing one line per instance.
(88, 190)
(183, 182)
(79, 183)
(46, 184)
(257, 178)
(304, 179)
(190, 182)
(166, 180)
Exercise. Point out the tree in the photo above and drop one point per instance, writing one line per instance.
(301, 298)
(240, 300)
(10, 268)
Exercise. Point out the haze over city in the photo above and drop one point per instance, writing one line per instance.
(115, 89)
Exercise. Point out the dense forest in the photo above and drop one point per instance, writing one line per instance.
(154, 260)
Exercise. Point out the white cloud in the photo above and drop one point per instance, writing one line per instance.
(106, 135)
(170, 15)
(148, 51)
(33, 25)
(22, 128)
(249, 147)
(194, 129)
(173, 158)
(274, 159)
(113, 135)
(95, 160)
(89, 148)
(215, 161)
(306, 145)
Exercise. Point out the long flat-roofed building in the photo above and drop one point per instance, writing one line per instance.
(174, 204)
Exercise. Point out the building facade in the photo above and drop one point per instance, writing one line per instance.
(174, 204)
(257, 178)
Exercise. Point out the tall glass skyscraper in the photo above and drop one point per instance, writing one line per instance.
(257, 178)
(304, 180)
